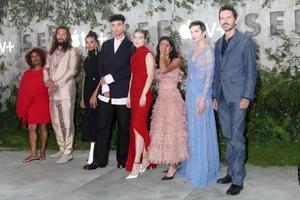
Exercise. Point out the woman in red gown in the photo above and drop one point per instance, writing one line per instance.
(33, 102)
(139, 100)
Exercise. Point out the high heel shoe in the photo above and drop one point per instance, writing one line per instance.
(132, 176)
(143, 169)
(167, 178)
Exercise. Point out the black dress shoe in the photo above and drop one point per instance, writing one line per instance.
(94, 166)
(86, 165)
(121, 165)
(224, 180)
(234, 189)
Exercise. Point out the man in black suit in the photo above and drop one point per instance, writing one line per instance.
(114, 70)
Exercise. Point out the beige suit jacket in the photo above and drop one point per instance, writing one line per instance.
(63, 74)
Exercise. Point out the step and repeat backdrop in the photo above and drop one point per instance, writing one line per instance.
(262, 24)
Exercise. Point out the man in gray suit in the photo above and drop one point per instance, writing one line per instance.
(233, 89)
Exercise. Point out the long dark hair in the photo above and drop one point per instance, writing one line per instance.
(67, 45)
(173, 53)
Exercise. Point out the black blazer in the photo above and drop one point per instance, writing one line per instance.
(118, 65)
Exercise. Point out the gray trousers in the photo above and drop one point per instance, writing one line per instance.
(232, 120)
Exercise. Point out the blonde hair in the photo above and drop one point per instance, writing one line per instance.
(144, 32)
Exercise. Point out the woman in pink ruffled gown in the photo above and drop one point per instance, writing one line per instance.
(168, 130)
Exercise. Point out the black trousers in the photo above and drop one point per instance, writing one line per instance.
(108, 115)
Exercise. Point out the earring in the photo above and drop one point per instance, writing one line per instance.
(96, 49)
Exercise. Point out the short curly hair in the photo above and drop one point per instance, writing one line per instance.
(39, 51)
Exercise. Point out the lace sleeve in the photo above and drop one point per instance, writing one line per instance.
(209, 73)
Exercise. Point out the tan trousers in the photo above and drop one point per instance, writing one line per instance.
(62, 117)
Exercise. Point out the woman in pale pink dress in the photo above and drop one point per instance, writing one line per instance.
(168, 130)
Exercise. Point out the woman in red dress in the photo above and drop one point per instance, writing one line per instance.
(139, 100)
(33, 102)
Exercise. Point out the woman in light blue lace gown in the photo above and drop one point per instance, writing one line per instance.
(203, 165)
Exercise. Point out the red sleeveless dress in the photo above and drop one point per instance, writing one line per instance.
(139, 115)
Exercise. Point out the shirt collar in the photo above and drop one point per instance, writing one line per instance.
(229, 38)
(119, 40)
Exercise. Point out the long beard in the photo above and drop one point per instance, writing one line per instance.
(64, 45)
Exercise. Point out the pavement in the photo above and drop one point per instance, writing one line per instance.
(47, 180)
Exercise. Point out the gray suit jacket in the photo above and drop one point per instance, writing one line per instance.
(235, 71)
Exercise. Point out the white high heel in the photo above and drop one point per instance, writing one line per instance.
(142, 170)
(132, 176)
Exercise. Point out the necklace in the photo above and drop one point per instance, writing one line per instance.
(57, 52)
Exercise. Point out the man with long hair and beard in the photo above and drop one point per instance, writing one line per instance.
(61, 67)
